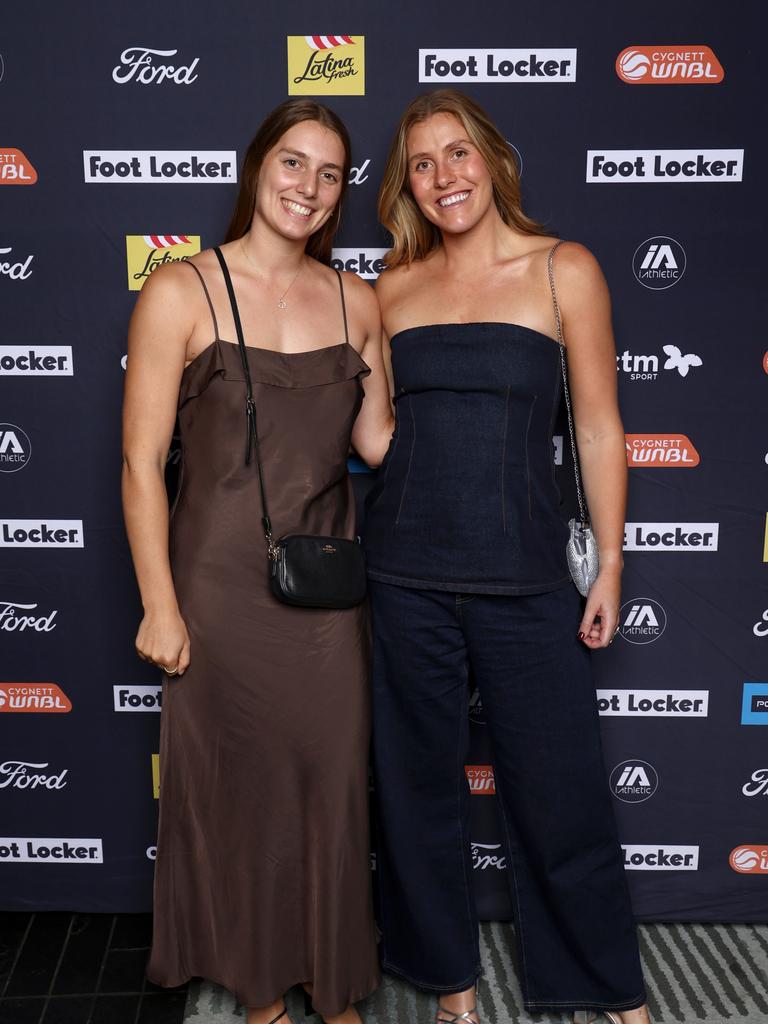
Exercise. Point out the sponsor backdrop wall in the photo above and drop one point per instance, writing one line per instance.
(122, 134)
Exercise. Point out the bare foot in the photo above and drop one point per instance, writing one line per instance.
(267, 1014)
(459, 1003)
(638, 1016)
(350, 1016)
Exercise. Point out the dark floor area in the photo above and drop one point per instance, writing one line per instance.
(63, 968)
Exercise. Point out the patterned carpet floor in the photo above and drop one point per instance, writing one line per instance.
(695, 974)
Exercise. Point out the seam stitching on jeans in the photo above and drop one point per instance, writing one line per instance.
(459, 987)
(410, 460)
(521, 937)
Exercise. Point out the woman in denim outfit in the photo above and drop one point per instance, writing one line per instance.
(466, 543)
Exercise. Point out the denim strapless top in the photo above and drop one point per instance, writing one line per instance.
(466, 497)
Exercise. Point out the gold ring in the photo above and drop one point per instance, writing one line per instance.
(172, 671)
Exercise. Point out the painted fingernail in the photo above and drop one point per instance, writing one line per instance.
(582, 635)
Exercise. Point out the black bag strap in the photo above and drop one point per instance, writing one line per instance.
(343, 305)
(252, 433)
(583, 511)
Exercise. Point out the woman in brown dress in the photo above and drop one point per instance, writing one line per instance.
(262, 876)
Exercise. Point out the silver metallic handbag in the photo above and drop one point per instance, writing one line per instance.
(581, 549)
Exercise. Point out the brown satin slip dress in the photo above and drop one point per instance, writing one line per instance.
(262, 879)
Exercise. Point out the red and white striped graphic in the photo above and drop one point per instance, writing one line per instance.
(328, 42)
(165, 241)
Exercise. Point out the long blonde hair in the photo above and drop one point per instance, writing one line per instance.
(413, 236)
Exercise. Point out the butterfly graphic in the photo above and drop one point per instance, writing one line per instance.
(677, 361)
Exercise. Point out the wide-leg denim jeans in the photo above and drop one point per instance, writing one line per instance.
(574, 923)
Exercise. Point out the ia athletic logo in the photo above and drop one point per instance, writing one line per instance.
(634, 781)
(15, 448)
(642, 620)
(659, 262)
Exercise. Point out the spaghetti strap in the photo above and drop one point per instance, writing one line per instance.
(343, 306)
(208, 297)
(555, 304)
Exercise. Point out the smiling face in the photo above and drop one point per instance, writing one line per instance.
(300, 180)
(449, 178)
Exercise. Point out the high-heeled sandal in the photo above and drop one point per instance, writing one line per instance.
(468, 1017)
(588, 1016)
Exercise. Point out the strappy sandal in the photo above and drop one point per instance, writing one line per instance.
(590, 1016)
(468, 1017)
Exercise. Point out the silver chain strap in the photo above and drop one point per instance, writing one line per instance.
(584, 515)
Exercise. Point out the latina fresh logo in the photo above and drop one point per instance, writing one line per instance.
(145, 253)
(326, 65)
(669, 65)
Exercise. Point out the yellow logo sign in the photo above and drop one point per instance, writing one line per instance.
(156, 776)
(146, 253)
(326, 65)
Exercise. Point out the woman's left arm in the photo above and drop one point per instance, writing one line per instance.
(375, 422)
(586, 314)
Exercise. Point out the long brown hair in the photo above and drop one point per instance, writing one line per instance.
(274, 126)
(415, 237)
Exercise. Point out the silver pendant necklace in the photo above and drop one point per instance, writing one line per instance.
(281, 303)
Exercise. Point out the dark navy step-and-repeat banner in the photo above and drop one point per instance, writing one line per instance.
(637, 133)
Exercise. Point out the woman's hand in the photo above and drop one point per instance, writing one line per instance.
(163, 640)
(601, 614)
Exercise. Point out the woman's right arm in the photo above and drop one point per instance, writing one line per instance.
(157, 344)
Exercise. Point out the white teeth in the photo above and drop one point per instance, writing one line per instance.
(457, 197)
(297, 208)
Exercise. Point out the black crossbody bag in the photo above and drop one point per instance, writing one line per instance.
(305, 570)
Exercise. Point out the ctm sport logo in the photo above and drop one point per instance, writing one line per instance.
(669, 65)
(145, 253)
(326, 65)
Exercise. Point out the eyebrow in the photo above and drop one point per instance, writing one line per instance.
(297, 152)
(450, 145)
